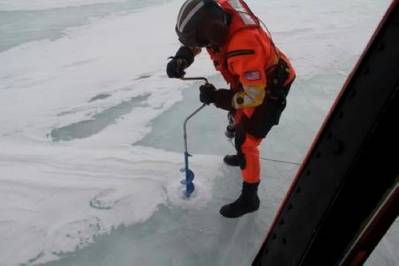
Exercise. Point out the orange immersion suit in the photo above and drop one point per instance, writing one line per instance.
(259, 75)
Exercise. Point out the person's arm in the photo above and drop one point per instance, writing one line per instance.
(252, 78)
(245, 59)
(183, 58)
(252, 95)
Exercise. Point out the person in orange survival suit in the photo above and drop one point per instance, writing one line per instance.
(259, 75)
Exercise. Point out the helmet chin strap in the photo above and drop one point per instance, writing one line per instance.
(227, 18)
(218, 35)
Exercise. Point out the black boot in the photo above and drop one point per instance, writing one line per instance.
(247, 202)
(232, 160)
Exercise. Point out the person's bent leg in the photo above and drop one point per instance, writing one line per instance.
(248, 201)
(251, 170)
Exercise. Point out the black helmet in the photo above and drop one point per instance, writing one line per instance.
(200, 20)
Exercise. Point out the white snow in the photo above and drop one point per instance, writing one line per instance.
(71, 108)
(13, 5)
(60, 195)
(67, 73)
(58, 198)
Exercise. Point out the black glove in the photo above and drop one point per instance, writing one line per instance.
(207, 93)
(184, 58)
(175, 67)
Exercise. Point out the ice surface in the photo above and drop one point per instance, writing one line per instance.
(386, 251)
(12, 5)
(64, 196)
(91, 136)
(176, 236)
(48, 22)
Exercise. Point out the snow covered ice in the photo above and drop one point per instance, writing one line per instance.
(91, 131)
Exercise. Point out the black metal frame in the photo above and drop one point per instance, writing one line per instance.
(350, 167)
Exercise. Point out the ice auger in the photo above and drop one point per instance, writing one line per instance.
(189, 174)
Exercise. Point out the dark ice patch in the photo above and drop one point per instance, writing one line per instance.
(99, 97)
(98, 122)
(143, 76)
